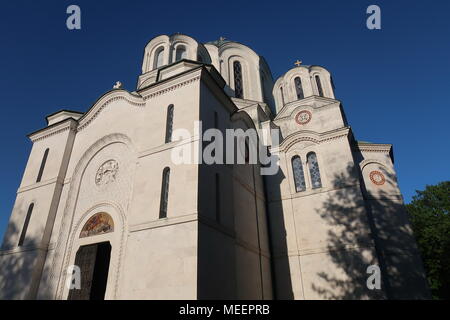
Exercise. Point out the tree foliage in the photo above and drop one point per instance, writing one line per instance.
(430, 218)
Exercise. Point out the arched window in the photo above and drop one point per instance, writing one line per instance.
(282, 96)
(263, 87)
(169, 124)
(319, 86)
(164, 193)
(299, 176)
(25, 224)
(314, 171)
(238, 86)
(299, 88)
(180, 53)
(41, 169)
(247, 152)
(159, 58)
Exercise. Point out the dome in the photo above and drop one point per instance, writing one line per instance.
(246, 73)
(164, 50)
(301, 82)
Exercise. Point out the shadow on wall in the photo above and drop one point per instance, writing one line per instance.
(402, 275)
(281, 273)
(17, 265)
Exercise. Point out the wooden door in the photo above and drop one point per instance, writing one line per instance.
(93, 261)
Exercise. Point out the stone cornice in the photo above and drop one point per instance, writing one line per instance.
(312, 192)
(373, 147)
(68, 124)
(367, 244)
(313, 102)
(190, 217)
(167, 86)
(14, 250)
(104, 101)
(39, 184)
(311, 136)
(137, 99)
(243, 104)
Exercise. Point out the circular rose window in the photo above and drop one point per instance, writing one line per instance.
(377, 178)
(303, 117)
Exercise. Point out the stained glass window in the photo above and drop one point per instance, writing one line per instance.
(238, 86)
(299, 88)
(319, 86)
(164, 194)
(299, 176)
(169, 124)
(314, 171)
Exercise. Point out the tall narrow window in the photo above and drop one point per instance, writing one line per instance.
(180, 53)
(282, 95)
(41, 169)
(299, 88)
(169, 124)
(213, 139)
(314, 171)
(299, 176)
(159, 58)
(25, 224)
(247, 151)
(263, 88)
(319, 86)
(218, 198)
(164, 193)
(216, 120)
(238, 87)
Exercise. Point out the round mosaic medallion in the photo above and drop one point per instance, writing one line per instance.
(377, 178)
(303, 117)
(107, 172)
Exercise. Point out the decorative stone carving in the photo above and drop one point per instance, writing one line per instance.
(118, 85)
(303, 117)
(377, 178)
(107, 172)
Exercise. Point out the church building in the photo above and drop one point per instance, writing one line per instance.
(102, 199)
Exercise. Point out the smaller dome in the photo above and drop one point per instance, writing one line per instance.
(301, 82)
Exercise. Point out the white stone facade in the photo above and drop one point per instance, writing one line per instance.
(229, 233)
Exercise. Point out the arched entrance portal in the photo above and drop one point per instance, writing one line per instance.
(93, 260)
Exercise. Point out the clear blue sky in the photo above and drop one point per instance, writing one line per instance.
(394, 83)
